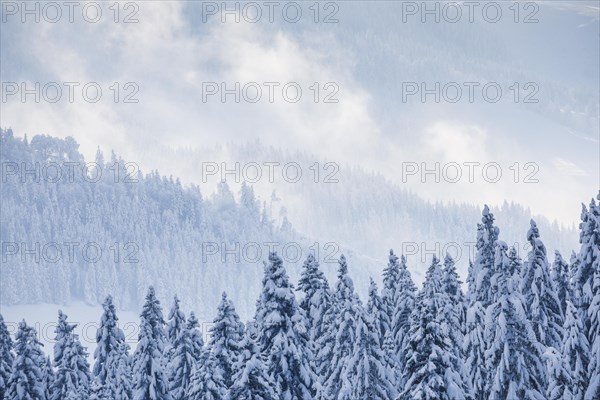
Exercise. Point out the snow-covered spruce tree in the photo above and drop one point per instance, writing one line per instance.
(316, 299)
(176, 322)
(593, 313)
(342, 337)
(207, 381)
(561, 280)
(391, 279)
(455, 309)
(187, 351)
(588, 257)
(376, 310)
(479, 298)
(514, 262)
(109, 343)
(559, 380)
(251, 380)
(119, 385)
(368, 371)
(399, 299)
(48, 379)
(283, 337)
(225, 336)
(149, 377)
(431, 369)
(575, 350)
(513, 356)
(543, 307)
(587, 291)
(7, 357)
(27, 377)
(73, 377)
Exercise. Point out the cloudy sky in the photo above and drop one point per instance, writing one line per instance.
(542, 134)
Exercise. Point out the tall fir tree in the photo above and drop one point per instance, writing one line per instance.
(479, 298)
(560, 383)
(49, 377)
(368, 371)
(283, 336)
(575, 350)
(7, 357)
(251, 380)
(187, 351)
(110, 342)
(543, 307)
(176, 321)
(120, 381)
(513, 355)
(73, 377)
(150, 381)
(207, 381)
(343, 336)
(455, 309)
(399, 298)
(27, 377)
(376, 309)
(431, 369)
(587, 286)
(561, 280)
(316, 298)
(593, 313)
(226, 333)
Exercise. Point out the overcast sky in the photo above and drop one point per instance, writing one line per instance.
(170, 57)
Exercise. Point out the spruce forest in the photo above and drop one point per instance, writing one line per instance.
(523, 329)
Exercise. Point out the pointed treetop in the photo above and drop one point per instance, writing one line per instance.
(393, 258)
(343, 268)
(533, 232)
(448, 259)
(486, 210)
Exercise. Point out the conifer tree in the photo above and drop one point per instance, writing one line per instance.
(431, 369)
(561, 280)
(150, 381)
(398, 298)
(73, 377)
(176, 321)
(343, 336)
(375, 309)
(316, 299)
(513, 354)
(454, 311)
(49, 377)
(226, 333)
(109, 340)
(251, 380)
(368, 370)
(479, 298)
(575, 348)
(6, 357)
(27, 377)
(207, 381)
(187, 351)
(283, 336)
(587, 287)
(543, 307)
